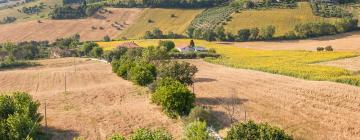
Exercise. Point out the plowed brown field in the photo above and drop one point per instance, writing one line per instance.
(97, 102)
(103, 24)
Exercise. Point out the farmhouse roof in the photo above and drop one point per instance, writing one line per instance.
(129, 45)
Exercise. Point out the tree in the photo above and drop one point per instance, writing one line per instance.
(230, 36)
(18, 116)
(209, 35)
(190, 32)
(87, 47)
(148, 35)
(220, 32)
(10, 48)
(167, 44)
(157, 33)
(267, 32)
(96, 52)
(147, 134)
(252, 131)
(107, 38)
(182, 71)
(142, 74)
(174, 97)
(254, 33)
(192, 43)
(243, 35)
(196, 131)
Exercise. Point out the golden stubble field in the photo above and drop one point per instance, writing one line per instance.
(90, 29)
(306, 109)
(97, 102)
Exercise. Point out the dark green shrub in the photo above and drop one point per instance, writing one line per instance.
(18, 116)
(174, 97)
(197, 130)
(201, 114)
(183, 72)
(252, 131)
(107, 38)
(142, 74)
(319, 49)
(243, 35)
(329, 48)
(147, 134)
(167, 44)
(267, 32)
(96, 52)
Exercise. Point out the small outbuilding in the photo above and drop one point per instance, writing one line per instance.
(191, 49)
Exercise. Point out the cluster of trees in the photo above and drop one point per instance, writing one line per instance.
(167, 3)
(156, 33)
(8, 19)
(319, 29)
(167, 79)
(250, 4)
(265, 33)
(70, 12)
(19, 118)
(325, 9)
(91, 49)
(32, 9)
(25, 50)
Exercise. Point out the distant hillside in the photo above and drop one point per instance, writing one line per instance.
(175, 20)
(21, 16)
(283, 19)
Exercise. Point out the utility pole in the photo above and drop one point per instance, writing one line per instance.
(65, 82)
(46, 128)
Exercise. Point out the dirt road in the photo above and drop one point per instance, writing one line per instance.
(306, 109)
(97, 102)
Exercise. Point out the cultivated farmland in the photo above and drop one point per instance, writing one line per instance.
(283, 19)
(93, 28)
(306, 109)
(162, 19)
(96, 103)
(291, 63)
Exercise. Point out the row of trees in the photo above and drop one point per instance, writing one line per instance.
(167, 79)
(265, 33)
(167, 3)
(156, 33)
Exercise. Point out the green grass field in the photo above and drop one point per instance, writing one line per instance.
(161, 19)
(300, 64)
(25, 17)
(283, 19)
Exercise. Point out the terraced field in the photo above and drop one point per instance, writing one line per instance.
(283, 19)
(161, 18)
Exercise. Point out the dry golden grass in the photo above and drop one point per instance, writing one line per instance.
(283, 19)
(161, 19)
(97, 102)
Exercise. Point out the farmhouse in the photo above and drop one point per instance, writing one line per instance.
(129, 45)
(191, 49)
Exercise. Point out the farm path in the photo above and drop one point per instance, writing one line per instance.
(306, 109)
(97, 102)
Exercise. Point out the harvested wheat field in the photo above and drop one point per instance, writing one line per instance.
(352, 64)
(341, 42)
(93, 28)
(305, 109)
(96, 103)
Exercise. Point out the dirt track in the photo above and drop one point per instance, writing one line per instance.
(346, 41)
(307, 109)
(104, 24)
(97, 104)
